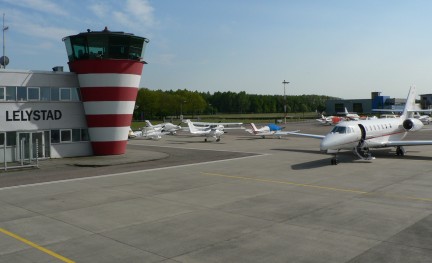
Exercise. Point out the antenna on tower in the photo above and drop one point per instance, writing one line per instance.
(4, 60)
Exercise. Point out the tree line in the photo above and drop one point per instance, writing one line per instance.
(157, 104)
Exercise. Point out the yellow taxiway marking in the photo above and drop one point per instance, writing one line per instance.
(28, 242)
(320, 187)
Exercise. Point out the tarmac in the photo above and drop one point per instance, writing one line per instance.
(243, 199)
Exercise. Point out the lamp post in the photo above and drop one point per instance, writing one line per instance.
(285, 106)
(181, 109)
(4, 59)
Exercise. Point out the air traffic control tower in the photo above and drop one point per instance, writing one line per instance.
(109, 66)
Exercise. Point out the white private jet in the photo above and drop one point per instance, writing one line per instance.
(215, 132)
(166, 127)
(362, 135)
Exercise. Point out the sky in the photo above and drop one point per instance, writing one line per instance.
(340, 48)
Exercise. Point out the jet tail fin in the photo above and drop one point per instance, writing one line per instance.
(409, 109)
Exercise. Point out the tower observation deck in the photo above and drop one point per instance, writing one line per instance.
(109, 67)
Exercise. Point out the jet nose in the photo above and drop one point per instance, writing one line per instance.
(328, 142)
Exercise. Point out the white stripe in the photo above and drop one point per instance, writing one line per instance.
(109, 107)
(109, 80)
(107, 134)
(124, 173)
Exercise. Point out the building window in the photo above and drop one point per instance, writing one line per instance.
(33, 93)
(76, 135)
(65, 94)
(21, 93)
(75, 94)
(11, 138)
(66, 135)
(2, 93)
(55, 94)
(10, 93)
(45, 94)
(55, 136)
(84, 135)
(2, 139)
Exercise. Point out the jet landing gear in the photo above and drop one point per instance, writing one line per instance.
(334, 160)
(400, 151)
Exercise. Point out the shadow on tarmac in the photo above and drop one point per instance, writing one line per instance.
(349, 157)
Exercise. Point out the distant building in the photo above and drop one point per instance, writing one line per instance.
(365, 106)
(426, 101)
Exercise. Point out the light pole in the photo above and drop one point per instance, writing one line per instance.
(285, 106)
(181, 109)
(4, 59)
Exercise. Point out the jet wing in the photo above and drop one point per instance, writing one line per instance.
(315, 136)
(406, 143)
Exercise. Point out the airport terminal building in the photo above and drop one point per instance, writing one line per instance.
(87, 111)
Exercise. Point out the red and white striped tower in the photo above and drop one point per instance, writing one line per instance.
(109, 72)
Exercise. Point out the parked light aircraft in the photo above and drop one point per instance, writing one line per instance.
(268, 130)
(423, 118)
(215, 132)
(147, 133)
(330, 120)
(351, 116)
(166, 127)
(360, 136)
(219, 125)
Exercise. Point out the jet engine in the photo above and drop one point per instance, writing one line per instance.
(412, 124)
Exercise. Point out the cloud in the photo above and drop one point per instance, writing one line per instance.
(141, 10)
(134, 14)
(44, 6)
(99, 9)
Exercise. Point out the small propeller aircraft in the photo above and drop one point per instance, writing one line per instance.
(351, 115)
(362, 135)
(215, 132)
(330, 120)
(268, 130)
(146, 133)
(165, 128)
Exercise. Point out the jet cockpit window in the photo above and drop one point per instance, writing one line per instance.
(339, 129)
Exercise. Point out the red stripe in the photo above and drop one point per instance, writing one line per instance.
(122, 66)
(109, 94)
(109, 120)
(109, 148)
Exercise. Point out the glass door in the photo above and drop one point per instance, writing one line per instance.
(38, 145)
(31, 144)
(23, 145)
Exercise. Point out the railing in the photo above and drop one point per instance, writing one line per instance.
(32, 162)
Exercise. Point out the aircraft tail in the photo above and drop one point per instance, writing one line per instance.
(254, 128)
(410, 104)
(148, 123)
(192, 127)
